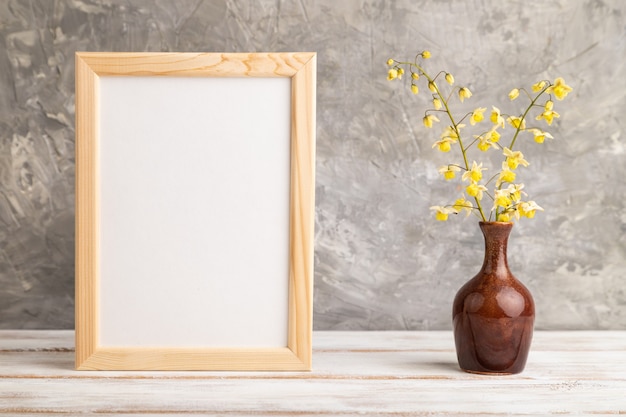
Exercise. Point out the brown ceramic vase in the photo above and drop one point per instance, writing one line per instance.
(493, 313)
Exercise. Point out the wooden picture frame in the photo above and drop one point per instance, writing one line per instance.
(110, 283)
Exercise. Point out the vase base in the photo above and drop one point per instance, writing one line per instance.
(488, 373)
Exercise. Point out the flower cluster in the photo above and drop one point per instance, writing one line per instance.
(507, 197)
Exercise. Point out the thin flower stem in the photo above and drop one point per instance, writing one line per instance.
(454, 123)
(530, 106)
(519, 127)
(492, 178)
(456, 129)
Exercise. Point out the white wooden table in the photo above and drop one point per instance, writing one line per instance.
(355, 374)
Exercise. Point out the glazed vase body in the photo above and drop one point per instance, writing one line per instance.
(493, 313)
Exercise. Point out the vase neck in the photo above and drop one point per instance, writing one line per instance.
(496, 238)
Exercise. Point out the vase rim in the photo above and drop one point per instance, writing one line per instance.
(500, 225)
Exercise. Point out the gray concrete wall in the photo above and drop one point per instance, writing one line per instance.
(382, 262)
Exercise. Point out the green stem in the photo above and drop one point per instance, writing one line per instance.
(519, 128)
(530, 106)
(456, 129)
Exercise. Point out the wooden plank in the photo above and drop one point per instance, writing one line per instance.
(87, 190)
(36, 340)
(360, 340)
(279, 64)
(355, 373)
(433, 365)
(302, 211)
(320, 397)
(443, 340)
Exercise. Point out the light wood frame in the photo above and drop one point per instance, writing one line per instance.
(301, 69)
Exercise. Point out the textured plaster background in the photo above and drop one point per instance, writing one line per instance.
(382, 262)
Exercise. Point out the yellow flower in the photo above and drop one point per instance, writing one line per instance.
(449, 78)
(400, 73)
(514, 158)
(494, 136)
(496, 118)
(441, 213)
(559, 88)
(444, 144)
(415, 75)
(506, 175)
(475, 173)
(528, 209)
(450, 133)
(540, 135)
(414, 89)
(475, 190)
(464, 93)
(429, 119)
(538, 86)
(472, 190)
(504, 217)
(462, 204)
(432, 86)
(449, 171)
(514, 93)
(548, 114)
(515, 192)
(517, 122)
(483, 142)
(390, 62)
(502, 199)
(477, 115)
(436, 103)
(392, 74)
(426, 54)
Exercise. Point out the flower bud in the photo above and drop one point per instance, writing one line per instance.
(464, 93)
(514, 93)
(539, 86)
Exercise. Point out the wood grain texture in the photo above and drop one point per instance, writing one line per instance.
(355, 373)
(301, 68)
(197, 64)
(87, 212)
(302, 210)
(166, 359)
